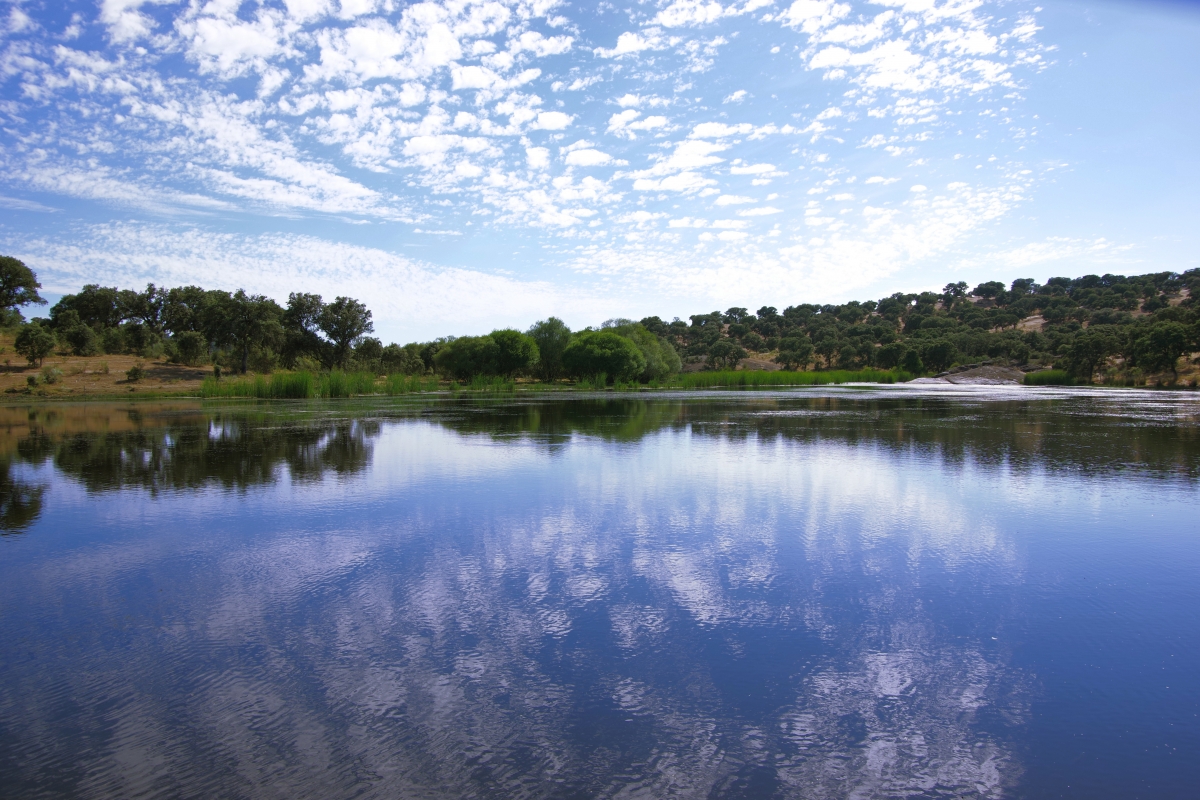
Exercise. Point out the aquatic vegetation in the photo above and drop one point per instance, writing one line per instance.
(1049, 377)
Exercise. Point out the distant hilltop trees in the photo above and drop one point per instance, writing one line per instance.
(1112, 328)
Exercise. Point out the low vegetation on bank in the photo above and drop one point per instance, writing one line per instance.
(1111, 329)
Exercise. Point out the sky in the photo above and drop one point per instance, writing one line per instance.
(461, 166)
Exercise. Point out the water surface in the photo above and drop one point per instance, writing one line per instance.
(818, 594)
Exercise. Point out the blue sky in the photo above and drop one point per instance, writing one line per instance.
(466, 165)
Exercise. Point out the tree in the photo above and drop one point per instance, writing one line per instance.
(96, 305)
(939, 354)
(911, 362)
(552, 337)
(247, 321)
(1160, 347)
(725, 354)
(302, 325)
(594, 353)
(795, 352)
(343, 321)
(989, 290)
(662, 360)
(890, 355)
(34, 342)
(953, 290)
(468, 356)
(191, 346)
(515, 351)
(1086, 351)
(369, 352)
(18, 284)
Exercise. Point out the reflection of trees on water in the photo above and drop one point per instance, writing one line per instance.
(20, 502)
(108, 449)
(1156, 435)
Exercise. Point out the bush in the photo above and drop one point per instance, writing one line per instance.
(1049, 377)
(113, 341)
(51, 374)
(82, 340)
(191, 347)
(468, 356)
(595, 352)
(135, 373)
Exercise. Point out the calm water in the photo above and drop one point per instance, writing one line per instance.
(827, 594)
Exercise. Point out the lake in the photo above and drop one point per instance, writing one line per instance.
(827, 593)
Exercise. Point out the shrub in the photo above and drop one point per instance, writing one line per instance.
(35, 343)
(191, 346)
(1049, 377)
(596, 352)
(135, 373)
(82, 340)
(51, 374)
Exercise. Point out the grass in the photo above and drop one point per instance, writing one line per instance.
(764, 378)
(409, 384)
(1049, 377)
(295, 385)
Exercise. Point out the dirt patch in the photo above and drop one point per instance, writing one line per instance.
(1035, 323)
(94, 375)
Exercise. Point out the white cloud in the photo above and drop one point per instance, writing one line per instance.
(553, 120)
(880, 179)
(736, 97)
(631, 42)
(588, 158)
(762, 211)
(732, 200)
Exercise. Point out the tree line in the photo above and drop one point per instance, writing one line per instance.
(1113, 327)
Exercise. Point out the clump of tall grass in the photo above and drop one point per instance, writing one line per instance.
(297, 385)
(492, 384)
(293, 385)
(1048, 377)
(345, 384)
(756, 378)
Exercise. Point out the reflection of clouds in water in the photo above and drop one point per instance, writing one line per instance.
(494, 621)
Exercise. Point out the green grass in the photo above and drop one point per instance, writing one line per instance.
(763, 378)
(409, 384)
(492, 384)
(293, 385)
(1049, 377)
(278, 385)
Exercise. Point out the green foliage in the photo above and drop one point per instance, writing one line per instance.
(724, 354)
(51, 374)
(1160, 347)
(551, 336)
(468, 356)
(343, 321)
(662, 361)
(515, 351)
(595, 352)
(1086, 351)
(18, 284)
(1049, 377)
(939, 354)
(135, 373)
(191, 347)
(34, 342)
(297, 385)
(409, 384)
(82, 340)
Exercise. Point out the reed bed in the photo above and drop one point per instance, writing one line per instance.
(292, 385)
(409, 384)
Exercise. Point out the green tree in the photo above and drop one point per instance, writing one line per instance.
(302, 327)
(1087, 350)
(343, 321)
(939, 354)
(192, 347)
(467, 356)
(795, 352)
(890, 355)
(911, 362)
(1160, 347)
(725, 354)
(246, 322)
(662, 360)
(18, 284)
(369, 353)
(97, 306)
(593, 353)
(34, 342)
(515, 351)
(552, 337)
